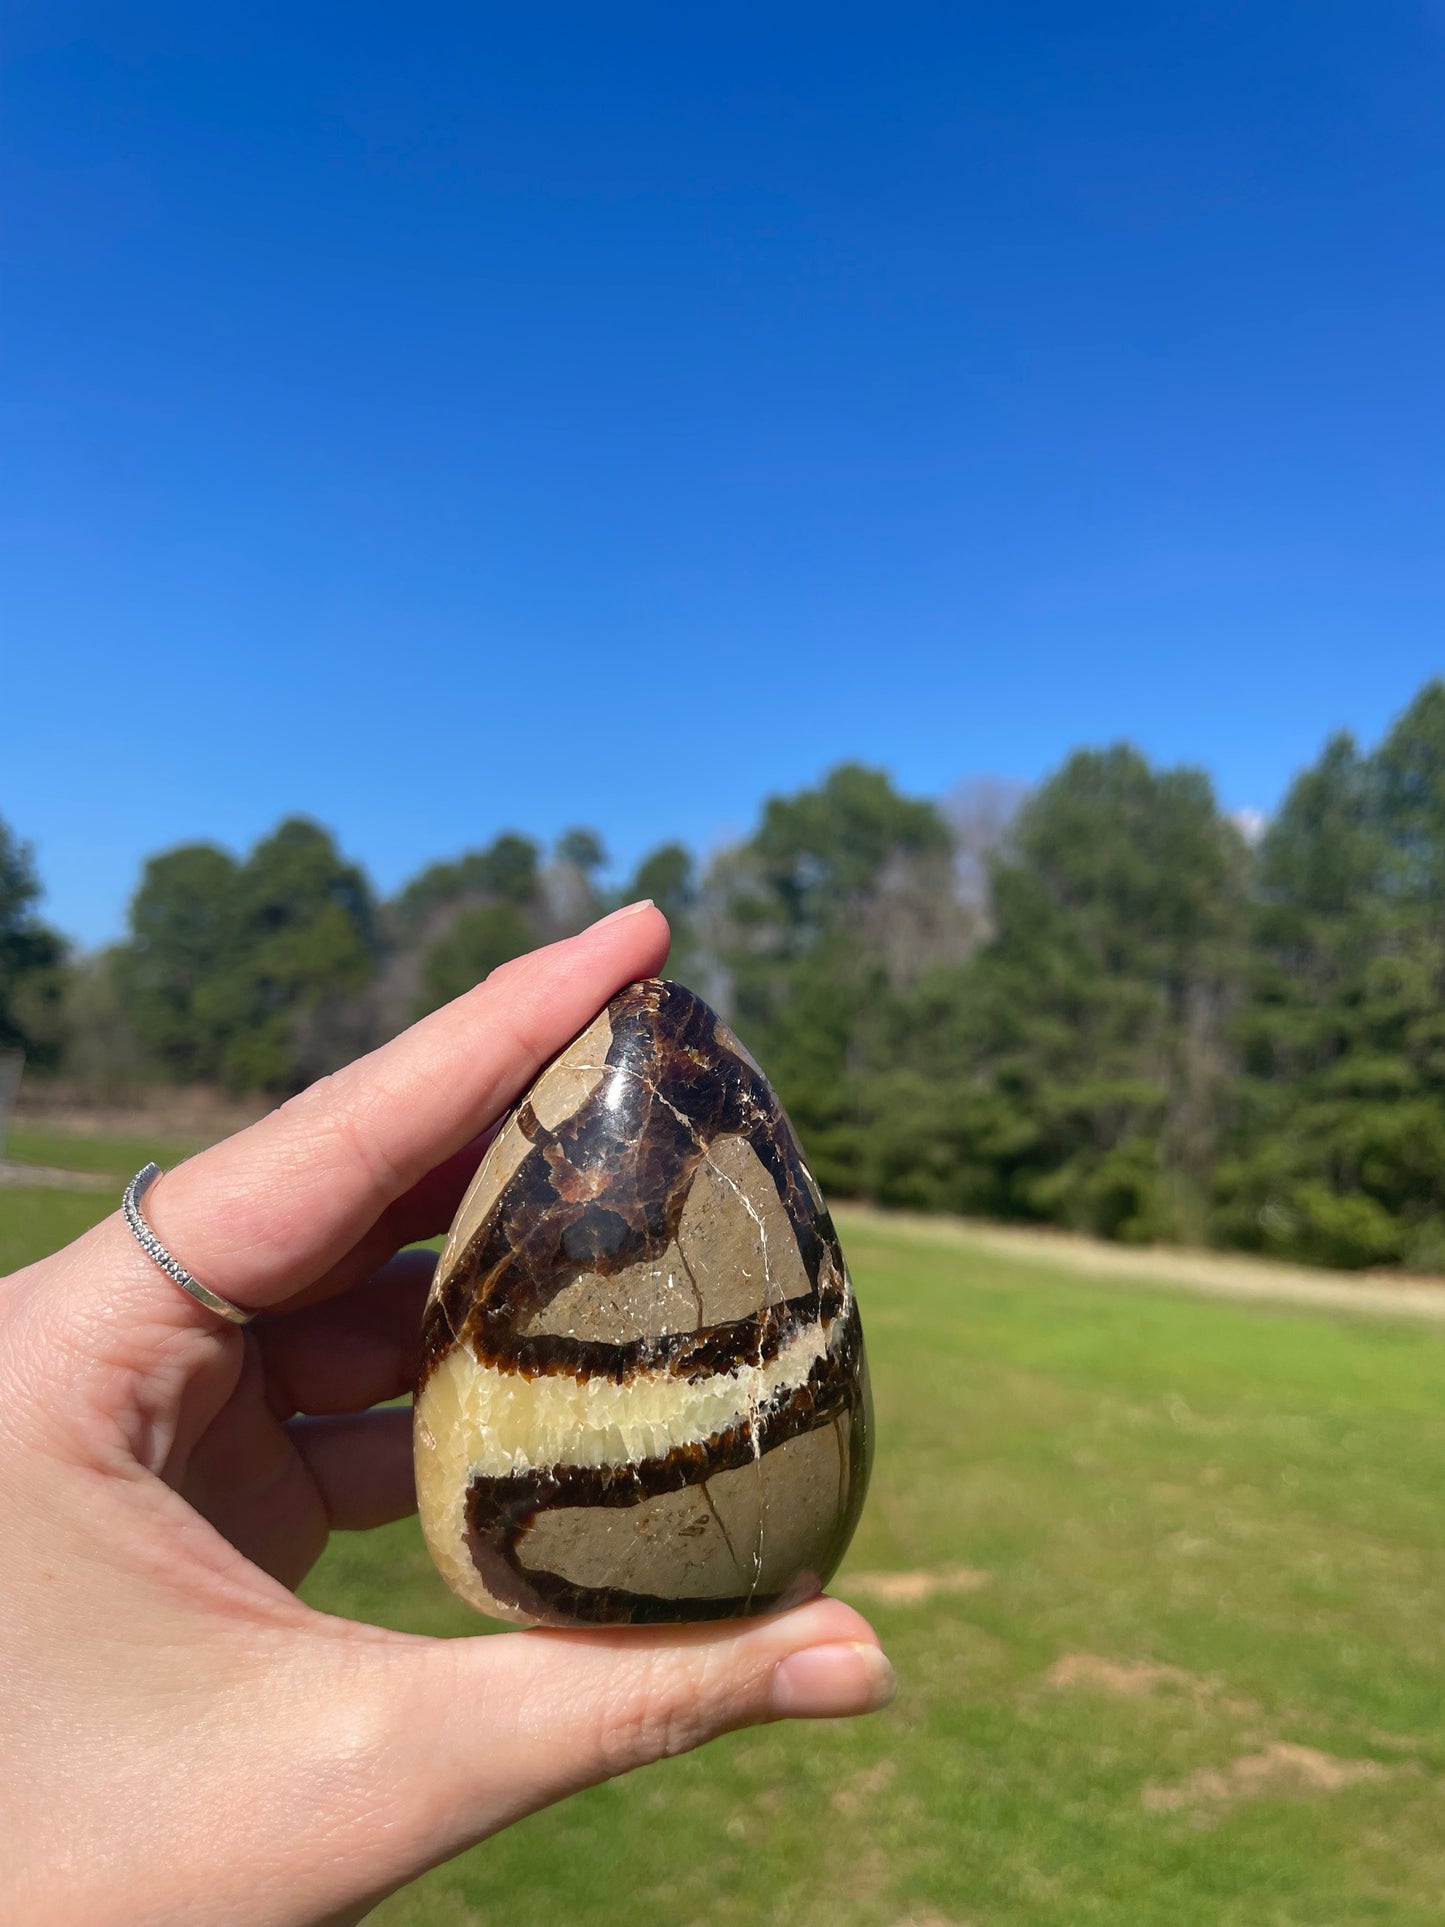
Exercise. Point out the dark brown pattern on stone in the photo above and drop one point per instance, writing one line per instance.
(606, 1191)
(598, 1196)
(499, 1511)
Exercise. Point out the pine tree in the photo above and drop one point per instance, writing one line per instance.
(1088, 1070)
(1338, 1155)
(32, 958)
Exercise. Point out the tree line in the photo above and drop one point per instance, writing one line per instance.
(1097, 1005)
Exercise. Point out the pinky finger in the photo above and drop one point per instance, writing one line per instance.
(361, 1465)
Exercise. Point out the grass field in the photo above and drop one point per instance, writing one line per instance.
(1164, 1581)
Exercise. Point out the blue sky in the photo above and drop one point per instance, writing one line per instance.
(441, 418)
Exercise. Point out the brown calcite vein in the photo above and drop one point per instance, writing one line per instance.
(644, 1394)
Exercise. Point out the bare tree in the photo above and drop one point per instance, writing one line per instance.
(980, 811)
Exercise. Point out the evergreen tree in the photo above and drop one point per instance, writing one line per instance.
(184, 934)
(1087, 1056)
(225, 959)
(32, 958)
(810, 977)
(477, 944)
(507, 871)
(1117, 1017)
(1338, 1154)
(305, 934)
(668, 875)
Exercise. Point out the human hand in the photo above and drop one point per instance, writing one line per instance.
(183, 1740)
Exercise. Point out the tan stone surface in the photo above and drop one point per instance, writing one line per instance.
(695, 1544)
(737, 1238)
(566, 1084)
(494, 1173)
(735, 1253)
(645, 1301)
(804, 1489)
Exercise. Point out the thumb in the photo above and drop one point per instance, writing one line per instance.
(491, 1729)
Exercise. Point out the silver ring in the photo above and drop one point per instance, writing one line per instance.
(151, 1245)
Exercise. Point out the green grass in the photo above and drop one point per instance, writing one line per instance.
(1251, 1496)
(77, 1151)
(35, 1222)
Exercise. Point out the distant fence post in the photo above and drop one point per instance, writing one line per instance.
(12, 1063)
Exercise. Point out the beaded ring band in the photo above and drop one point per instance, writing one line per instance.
(151, 1245)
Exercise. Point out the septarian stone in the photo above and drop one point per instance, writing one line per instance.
(643, 1394)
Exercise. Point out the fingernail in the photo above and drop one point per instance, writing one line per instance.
(627, 910)
(829, 1682)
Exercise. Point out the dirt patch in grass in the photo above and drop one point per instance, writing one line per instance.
(1140, 1679)
(911, 1588)
(1279, 1768)
(1133, 1679)
(864, 1786)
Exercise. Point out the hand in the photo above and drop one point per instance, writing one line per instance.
(183, 1741)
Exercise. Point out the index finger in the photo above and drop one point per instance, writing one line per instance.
(261, 1215)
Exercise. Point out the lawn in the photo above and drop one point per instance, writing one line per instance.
(1163, 1581)
(79, 1151)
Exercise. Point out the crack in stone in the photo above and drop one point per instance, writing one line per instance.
(625, 1070)
(691, 1279)
(722, 1528)
(747, 1204)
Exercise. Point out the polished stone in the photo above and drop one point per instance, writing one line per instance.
(644, 1395)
